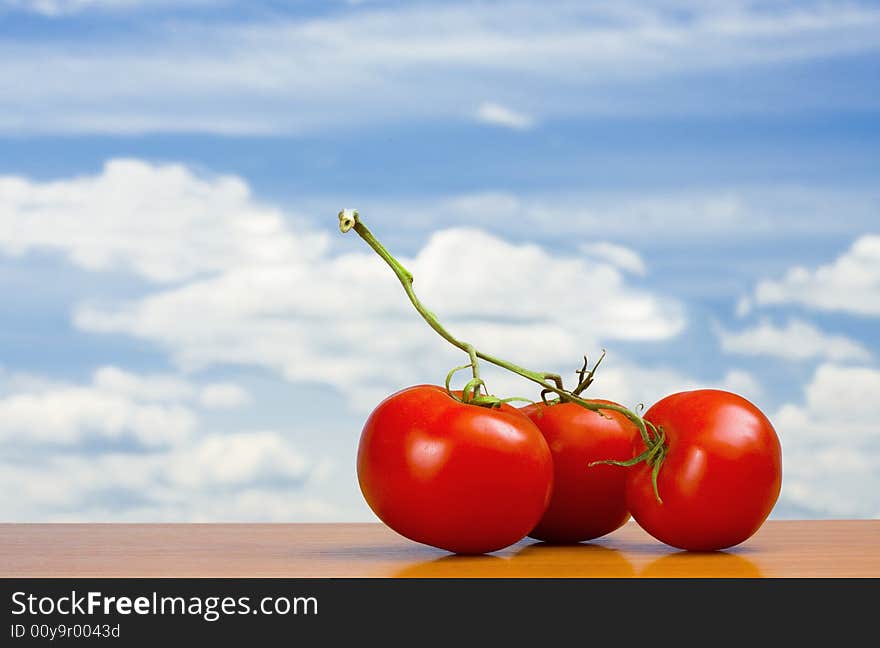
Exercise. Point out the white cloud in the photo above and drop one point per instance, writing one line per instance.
(617, 255)
(70, 414)
(223, 396)
(152, 410)
(161, 222)
(380, 64)
(851, 283)
(831, 445)
(447, 265)
(235, 459)
(157, 387)
(172, 467)
(797, 340)
(744, 307)
(245, 476)
(740, 381)
(846, 394)
(492, 113)
(170, 388)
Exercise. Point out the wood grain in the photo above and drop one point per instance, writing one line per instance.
(833, 548)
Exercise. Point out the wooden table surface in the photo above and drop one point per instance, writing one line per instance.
(833, 548)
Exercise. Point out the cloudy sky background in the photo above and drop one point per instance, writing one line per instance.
(186, 336)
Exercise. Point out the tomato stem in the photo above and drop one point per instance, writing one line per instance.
(550, 382)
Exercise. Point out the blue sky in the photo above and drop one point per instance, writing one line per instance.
(187, 336)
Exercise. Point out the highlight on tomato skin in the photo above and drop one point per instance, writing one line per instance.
(453, 475)
(720, 476)
(587, 503)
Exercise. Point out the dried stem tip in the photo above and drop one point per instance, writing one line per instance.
(347, 219)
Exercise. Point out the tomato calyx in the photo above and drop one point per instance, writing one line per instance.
(654, 455)
(476, 393)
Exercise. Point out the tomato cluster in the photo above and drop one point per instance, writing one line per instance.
(473, 479)
(466, 472)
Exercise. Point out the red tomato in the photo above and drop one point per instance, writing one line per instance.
(460, 477)
(586, 502)
(720, 477)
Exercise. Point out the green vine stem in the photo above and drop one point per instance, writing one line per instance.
(350, 220)
(549, 382)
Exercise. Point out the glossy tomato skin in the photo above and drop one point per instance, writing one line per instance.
(721, 475)
(587, 502)
(460, 477)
